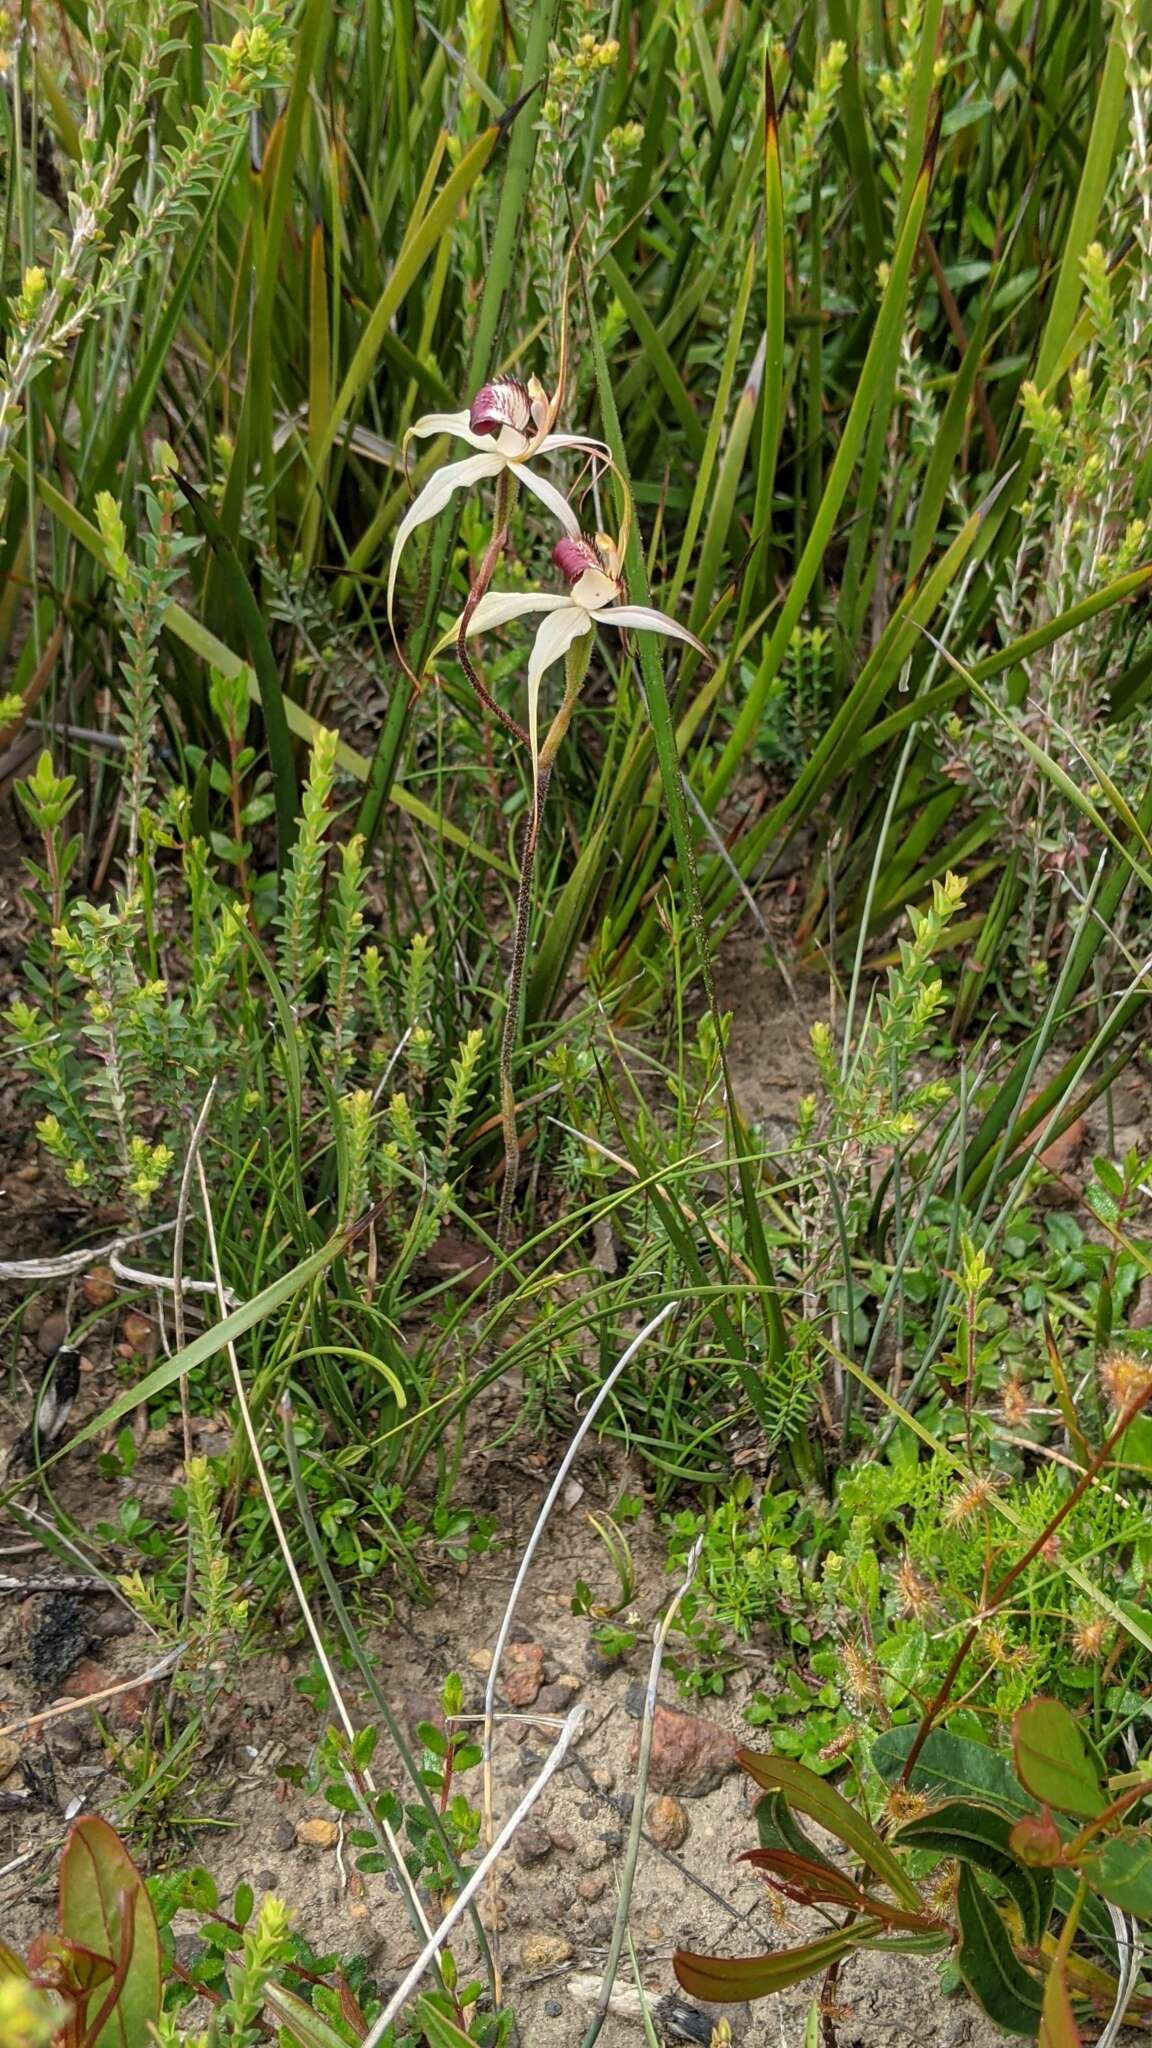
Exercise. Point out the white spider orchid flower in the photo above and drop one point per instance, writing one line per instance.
(509, 422)
(596, 586)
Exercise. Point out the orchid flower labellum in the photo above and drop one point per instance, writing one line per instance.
(593, 569)
(510, 423)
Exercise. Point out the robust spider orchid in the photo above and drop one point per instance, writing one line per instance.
(511, 423)
(593, 569)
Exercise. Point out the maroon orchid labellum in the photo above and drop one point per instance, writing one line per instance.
(508, 423)
(593, 571)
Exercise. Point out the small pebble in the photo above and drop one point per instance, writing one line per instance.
(593, 1886)
(69, 1743)
(317, 1833)
(558, 1697)
(283, 1835)
(532, 1845)
(667, 1822)
(265, 1880)
(545, 1951)
(590, 1855)
(53, 1332)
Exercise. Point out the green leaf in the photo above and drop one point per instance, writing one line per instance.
(988, 1963)
(953, 1764)
(778, 1828)
(1053, 1760)
(823, 1804)
(299, 2022)
(735, 1978)
(104, 1905)
(981, 1836)
(439, 2030)
(1122, 1869)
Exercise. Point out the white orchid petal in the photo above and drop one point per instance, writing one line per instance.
(455, 476)
(647, 620)
(548, 495)
(499, 608)
(456, 423)
(552, 642)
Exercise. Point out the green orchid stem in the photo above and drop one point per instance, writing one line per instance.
(502, 512)
(575, 669)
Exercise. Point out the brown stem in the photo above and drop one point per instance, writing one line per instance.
(955, 321)
(1000, 1592)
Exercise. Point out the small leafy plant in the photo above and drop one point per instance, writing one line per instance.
(94, 1980)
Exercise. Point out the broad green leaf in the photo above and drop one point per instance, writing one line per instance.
(104, 1905)
(952, 1764)
(989, 1965)
(1122, 1869)
(981, 1835)
(1053, 1760)
(721, 1979)
(298, 2020)
(829, 1809)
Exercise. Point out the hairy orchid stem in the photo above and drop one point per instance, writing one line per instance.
(505, 492)
(510, 1037)
(575, 670)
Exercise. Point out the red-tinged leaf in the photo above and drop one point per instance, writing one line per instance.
(814, 1884)
(60, 1964)
(104, 1905)
(805, 1881)
(823, 1804)
(732, 1979)
(1053, 1761)
(1058, 2027)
